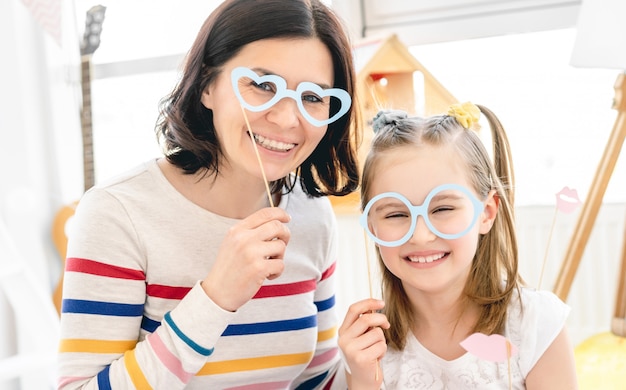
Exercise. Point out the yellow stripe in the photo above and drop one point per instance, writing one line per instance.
(136, 375)
(324, 335)
(260, 363)
(96, 346)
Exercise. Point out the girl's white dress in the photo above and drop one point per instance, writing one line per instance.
(532, 331)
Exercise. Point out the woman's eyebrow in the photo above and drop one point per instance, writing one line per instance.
(264, 72)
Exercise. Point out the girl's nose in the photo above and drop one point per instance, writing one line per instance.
(422, 233)
(284, 113)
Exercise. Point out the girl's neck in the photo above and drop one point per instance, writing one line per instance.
(228, 194)
(439, 311)
(442, 321)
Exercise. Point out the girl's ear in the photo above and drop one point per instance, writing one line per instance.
(489, 213)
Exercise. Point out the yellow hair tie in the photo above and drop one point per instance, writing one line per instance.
(467, 114)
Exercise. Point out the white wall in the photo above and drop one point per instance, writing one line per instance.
(38, 125)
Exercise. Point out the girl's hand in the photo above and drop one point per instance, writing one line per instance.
(251, 252)
(363, 344)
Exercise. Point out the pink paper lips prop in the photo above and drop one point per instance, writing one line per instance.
(493, 348)
(567, 200)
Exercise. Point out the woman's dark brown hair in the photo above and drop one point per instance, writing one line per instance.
(185, 127)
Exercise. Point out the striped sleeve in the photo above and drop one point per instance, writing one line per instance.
(104, 294)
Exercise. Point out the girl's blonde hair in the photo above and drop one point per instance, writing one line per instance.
(494, 273)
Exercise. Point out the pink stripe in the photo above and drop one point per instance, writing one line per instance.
(168, 359)
(262, 386)
(65, 380)
(323, 358)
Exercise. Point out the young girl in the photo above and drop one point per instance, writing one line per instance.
(179, 273)
(441, 216)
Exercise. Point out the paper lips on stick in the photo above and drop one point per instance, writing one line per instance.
(567, 200)
(495, 348)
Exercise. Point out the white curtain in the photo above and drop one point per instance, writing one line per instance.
(40, 158)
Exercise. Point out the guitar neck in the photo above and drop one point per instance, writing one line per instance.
(86, 123)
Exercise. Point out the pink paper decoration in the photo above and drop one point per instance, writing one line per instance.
(567, 200)
(493, 348)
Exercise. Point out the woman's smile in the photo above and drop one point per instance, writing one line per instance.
(273, 145)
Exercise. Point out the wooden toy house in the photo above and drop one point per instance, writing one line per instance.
(390, 77)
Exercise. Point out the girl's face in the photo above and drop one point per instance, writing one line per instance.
(427, 263)
(284, 137)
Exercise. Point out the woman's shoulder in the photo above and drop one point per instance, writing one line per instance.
(129, 177)
(138, 184)
(299, 201)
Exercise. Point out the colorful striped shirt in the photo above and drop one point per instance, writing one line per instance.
(134, 315)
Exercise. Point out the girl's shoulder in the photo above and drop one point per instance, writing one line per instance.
(528, 303)
(535, 318)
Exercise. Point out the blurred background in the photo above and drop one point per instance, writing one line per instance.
(513, 56)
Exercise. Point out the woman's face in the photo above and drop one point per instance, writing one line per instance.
(284, 137)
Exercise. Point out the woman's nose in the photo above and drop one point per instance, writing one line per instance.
(285, 113)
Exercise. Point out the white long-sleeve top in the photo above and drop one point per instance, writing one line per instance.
(135, 317)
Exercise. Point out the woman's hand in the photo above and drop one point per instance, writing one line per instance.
(251, 252)
(363, 344)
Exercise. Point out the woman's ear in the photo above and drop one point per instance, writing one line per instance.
(490, 212)
(206, 98)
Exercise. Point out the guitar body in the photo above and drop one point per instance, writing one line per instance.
(59, 238)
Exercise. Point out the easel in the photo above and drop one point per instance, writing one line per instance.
(590, 210)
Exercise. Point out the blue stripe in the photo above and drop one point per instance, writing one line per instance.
(149, 325)
(271, 327)
(325, 305)
(103, 379)
(103, 308)
(313, 382)
(187, 340)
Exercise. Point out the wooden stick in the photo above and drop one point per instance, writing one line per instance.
(618, 323)
(545, 256)
(258, 157)
(369, 284)
(508, 361)
(591, 206)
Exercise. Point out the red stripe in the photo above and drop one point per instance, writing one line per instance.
(167, 292)
(331, 270)
(330, 383)
(281, 290)
(92, 267)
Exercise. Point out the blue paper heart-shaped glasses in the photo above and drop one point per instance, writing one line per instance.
(257, 93)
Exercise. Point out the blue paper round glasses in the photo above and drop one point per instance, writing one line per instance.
(449, 211)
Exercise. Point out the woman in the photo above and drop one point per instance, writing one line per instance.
(180, 274)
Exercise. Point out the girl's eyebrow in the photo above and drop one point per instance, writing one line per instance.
(265, 72)
(441, 197)
(389, 204)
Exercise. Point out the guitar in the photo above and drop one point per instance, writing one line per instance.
(89, 44)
